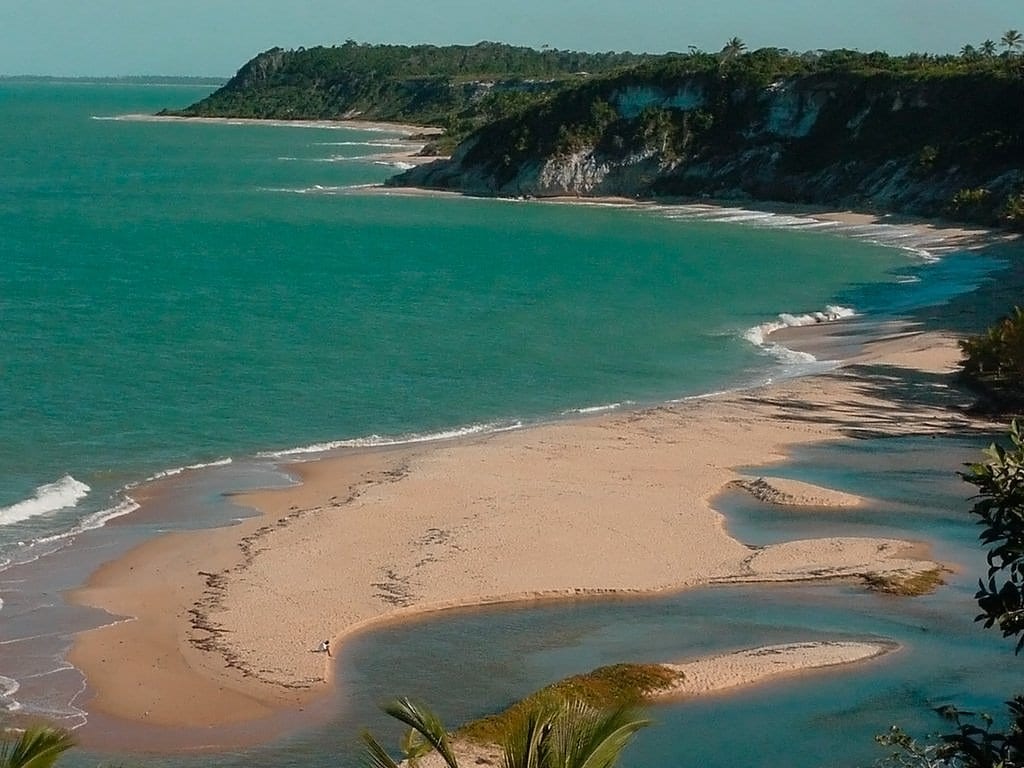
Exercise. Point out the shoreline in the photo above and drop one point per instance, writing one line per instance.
(225, 577)
(714, 675)
(355, 124)
(187, 669)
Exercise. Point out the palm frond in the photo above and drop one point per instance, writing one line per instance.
(378, 757)
(413, 747)
(37, 747)
(523, 742)
(427, 723)
(585, 737)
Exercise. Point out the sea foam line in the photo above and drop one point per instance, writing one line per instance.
(758, 335)
(333, 125)
(319, 189)
(596, 408)
(401, 165)
(96, 520)
(925, 245)
(49, 497)
(386, 144)
(187, 468)
(9, 687)
(373, 441)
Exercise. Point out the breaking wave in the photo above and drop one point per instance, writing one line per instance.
(759, 333)
(187, 468)
(411, 438)
(50, 497)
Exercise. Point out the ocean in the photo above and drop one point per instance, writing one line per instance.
(200, 299)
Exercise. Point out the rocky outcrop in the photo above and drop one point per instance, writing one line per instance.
(258, 71)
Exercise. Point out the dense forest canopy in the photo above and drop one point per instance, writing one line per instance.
(441, 84)
(927, 134)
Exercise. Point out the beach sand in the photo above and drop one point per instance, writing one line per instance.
(225, 621)
(714, 674)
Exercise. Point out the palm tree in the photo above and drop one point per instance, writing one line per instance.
(1011, 39)
(551, 734)
(968, 52)
(733, 48)
(988, 48)
(37, 747)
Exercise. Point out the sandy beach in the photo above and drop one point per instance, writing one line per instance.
(712, 675)
(355, 124)
(224, 623)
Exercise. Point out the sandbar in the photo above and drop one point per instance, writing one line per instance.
(223, 623)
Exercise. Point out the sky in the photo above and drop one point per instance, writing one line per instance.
(215, 37)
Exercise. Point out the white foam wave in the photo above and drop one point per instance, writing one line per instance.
(334, 125)
(372, 441)
(385, 144)
(96, 520)
(926, 245)
(758, 335)
(803, 361)
(399, 164)
(9, 687)
(344, 158)
(596, 408)
(186, 468)
(49, 497)
(319, 189)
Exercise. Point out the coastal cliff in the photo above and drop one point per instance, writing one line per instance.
(934, 136)
(943, 145)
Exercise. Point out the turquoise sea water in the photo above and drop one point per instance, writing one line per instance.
(174, 294)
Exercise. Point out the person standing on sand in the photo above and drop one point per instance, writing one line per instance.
(325, 647)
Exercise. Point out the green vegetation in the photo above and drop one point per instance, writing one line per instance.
(552, 102)
(36, 747)
(454, 87)
(993, 364)
(906, 584)
(1000, 512)
(564, 734)
(945, 116)
(604, 688)
(975, 742)
(925, 134)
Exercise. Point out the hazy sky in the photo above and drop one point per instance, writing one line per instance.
(215, 37)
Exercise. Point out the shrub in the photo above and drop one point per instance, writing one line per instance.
(972, 205)
(993, 364)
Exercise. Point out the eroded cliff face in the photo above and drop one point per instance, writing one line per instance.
(901, 146)
(585, 172)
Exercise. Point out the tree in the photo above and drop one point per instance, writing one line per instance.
(36, 747)
(993, 364)
(969, 52)
(988, 48)
(1011, 40)
(733, 48)
(1000, 510)
(555, 733)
